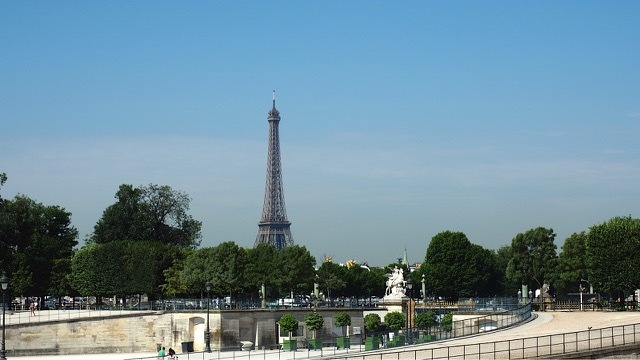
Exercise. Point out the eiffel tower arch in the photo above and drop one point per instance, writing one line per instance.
(274, 228)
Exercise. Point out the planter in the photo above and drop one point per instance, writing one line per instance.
(290, 345)
(343, 343)
(426, 338)
(398, 340)
(372, 343)
(430, 337)
(315, 344)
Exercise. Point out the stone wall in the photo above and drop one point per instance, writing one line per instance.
(142, 332)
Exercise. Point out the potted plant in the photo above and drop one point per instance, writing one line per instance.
(395, 321)
(314, 322)
(424, 321)
(343, 320)
(371, 325)
(289, 324)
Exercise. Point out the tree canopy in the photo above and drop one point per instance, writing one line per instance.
(534, 257)
(288, 323)
(572, 264)
(149, 213)
(454, 267)
(425, 319)
(121, 268)
(612, 249)
(314, 321)
(296, 270)
(395, 320)
(372, 322)
(36, 243)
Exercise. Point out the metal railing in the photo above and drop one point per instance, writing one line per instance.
(545, 346)
(401, 338)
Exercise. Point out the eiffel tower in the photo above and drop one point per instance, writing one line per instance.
(273, 228)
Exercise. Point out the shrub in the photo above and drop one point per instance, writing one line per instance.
(395, 320)
(288, 323)
(425, 319)
(314, 321)
(343, 319)
(446, 322)
(372, 322)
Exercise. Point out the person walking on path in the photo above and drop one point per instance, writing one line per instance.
(161, 353)
(32, 308)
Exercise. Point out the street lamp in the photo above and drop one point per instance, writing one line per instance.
(207, 336)
(4, 281)
(409, 287)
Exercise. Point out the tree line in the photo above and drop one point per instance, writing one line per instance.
(147, 243)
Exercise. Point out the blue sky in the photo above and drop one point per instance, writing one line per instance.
(399, 119)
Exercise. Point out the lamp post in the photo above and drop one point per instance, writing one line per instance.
(4, 281)
(207, 336)
(409, 322)
(424, 290)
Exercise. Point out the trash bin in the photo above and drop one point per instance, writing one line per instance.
(187, 346)
(158, 346)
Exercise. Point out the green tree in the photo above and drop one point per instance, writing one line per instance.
(395, 320)
(425, 319)
(487, 280)
(174, 282)
(454, 267)
(296, 269)
(92, 276)
(331, 279)
(446, 322)
(572, 264)
(356, 281)
(503, 256)
(229, 265)
(288, 323)
(314, 322)
(534, 257)
(138, 268)
(36, 241)
(153, 212)
(223, 266)
(261, 267)
(372, 322)
(198, 268)
(612, 249)
(3, 179)
(342, 319)
(374, 284)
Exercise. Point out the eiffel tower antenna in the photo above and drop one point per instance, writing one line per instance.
(274, 228)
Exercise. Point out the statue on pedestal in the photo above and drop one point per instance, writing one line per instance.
(396, 283)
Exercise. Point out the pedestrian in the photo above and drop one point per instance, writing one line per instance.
(32, 308)
(172, 354)
(161, 353)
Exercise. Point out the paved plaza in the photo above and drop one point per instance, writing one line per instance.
(544, 323)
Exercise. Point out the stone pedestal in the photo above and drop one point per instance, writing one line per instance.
(394, 303)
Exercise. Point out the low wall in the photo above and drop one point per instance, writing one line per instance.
(142, 332)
